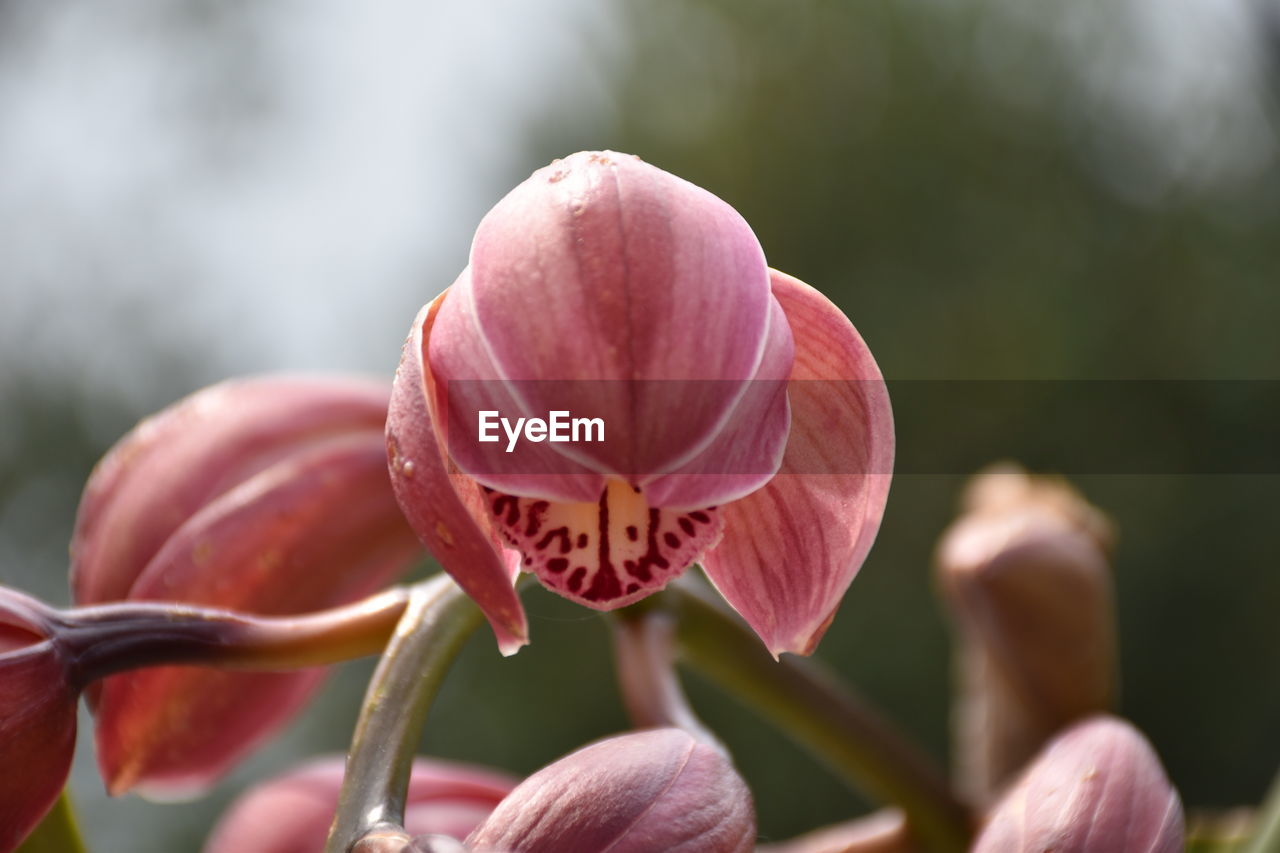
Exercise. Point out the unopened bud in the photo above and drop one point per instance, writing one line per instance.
(1097, 788)
(660, 789)
(1025, 575)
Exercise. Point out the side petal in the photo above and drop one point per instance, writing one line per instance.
(748, 450)
(445, 507)
(37, 736)
(660, 789)
(175, 462)
(791, 549)
(313, 531)
(603, 268)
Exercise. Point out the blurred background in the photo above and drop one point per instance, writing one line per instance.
(991, 189)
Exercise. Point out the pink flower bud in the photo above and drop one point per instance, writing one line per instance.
(1097, 788)
(268, 496)
(1025, 575)
(745, 423)
(291, 813)
(882, 832)
(660, 789)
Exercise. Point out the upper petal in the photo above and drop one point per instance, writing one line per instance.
(176, 461)
(791, 549)
(602, 268)
(460, 364)
(446, 508)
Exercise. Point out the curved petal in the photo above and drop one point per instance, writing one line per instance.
(447, 508)
(602, 268)
(175, 462)
(791, 549)
(660, 789)
(748, 450)
(313, 531)
(292, 812)
(37, 733)
(461, 365)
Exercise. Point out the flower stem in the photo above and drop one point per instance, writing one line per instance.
(826, 717)
(438, 619)
(644, 652)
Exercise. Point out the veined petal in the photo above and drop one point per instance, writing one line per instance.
(601, 267)
(461, 366)
(175, 462)
(315, 530)
(446, 508)
(748, 450)
(791, 548)
(607, 553)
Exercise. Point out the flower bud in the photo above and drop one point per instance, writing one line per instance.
(1024, 573)
(37, 726)
(268, 496)
(660, 789)
(291, 813)
(1097, 788)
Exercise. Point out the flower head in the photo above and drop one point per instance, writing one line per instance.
(267, 496)
(745, 424)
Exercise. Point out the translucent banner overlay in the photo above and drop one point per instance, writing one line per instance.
(943, 427)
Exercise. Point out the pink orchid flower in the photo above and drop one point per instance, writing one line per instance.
(748, 427)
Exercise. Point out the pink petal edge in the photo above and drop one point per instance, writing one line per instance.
(444, 507)
(792, 548)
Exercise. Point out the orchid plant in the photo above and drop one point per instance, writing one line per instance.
(732, 419)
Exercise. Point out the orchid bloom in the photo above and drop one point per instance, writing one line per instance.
(266, 495)
(745, 423)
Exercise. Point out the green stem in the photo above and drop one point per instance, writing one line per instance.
(644, 655)
(436, 622)
(824, 716)
(1266, 834)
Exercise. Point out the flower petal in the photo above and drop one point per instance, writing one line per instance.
(447, 508)
(461, 365)
(315, 530)
(792, 548)
(601, 267)
(748, 450)
(37, 735)
(607, 553)
(175, 462)
(660, 789)
(292, 812)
